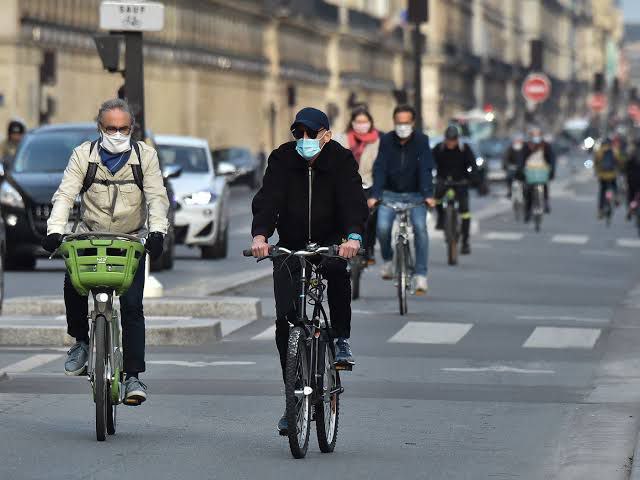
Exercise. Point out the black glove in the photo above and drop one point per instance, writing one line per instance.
(155, 245)
(51, 242)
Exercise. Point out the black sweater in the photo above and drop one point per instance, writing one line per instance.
(338, 205)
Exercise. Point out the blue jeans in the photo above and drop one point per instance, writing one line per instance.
(418, 216)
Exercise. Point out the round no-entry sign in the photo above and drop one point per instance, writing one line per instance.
(536, 88)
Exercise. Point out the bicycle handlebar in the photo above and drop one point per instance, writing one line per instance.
(401, 206)
(453, 183)
(101, 235)
(275, 251)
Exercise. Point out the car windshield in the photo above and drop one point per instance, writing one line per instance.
(49, 152)
(238, 157)
(191, 159)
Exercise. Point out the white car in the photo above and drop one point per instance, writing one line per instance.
(202, 213)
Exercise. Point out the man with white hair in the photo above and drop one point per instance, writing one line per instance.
(122, 191)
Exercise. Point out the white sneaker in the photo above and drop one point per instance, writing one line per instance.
(420, 284)
(387, 271)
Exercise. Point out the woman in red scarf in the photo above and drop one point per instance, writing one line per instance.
(363, 140)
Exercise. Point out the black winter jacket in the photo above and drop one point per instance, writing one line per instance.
(403, 168)
(338, 204)
(458, 163)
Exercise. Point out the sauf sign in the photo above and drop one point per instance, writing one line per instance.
(137, 16)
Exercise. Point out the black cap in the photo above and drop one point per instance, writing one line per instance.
(311, 118)
(16, 127)
(451, 133)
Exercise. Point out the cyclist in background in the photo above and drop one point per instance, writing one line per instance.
(512, 160)
(15, 131)
(363, 139)
(455, 161)
(632, 173)
(609, 162)
(536, 150)
(402, 173)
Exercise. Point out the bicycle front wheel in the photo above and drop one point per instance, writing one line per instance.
(298, 392)
(402, 274)
(100, 383)
(327, 410)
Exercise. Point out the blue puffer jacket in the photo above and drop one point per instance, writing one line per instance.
(403, 168)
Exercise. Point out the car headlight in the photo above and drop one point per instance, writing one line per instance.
(9, 196)
(204, 197)
(479, 161)
(588, 143)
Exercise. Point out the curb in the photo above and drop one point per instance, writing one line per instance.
(197, 307)
(190, 332)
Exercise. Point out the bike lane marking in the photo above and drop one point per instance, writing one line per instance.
(268, 334)
(563, 337)
(30, 363)
(570, 239)
(628, 242)
(431, 333)
(499, 369)
(507, 236)
(199, 364)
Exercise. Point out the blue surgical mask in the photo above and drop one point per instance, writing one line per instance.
(308, 147)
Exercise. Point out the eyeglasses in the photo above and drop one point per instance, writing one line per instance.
(299, 131)
(126, 130)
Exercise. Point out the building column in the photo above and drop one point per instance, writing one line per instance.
(271, 102)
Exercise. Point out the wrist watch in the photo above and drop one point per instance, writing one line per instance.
(355, 236)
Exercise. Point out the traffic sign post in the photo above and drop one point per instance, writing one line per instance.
(129, 19)
(536, 88)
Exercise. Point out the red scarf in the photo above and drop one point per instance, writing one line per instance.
(358, 142)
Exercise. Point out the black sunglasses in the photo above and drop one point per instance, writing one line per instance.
(298, 132)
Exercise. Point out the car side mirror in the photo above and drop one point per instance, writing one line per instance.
(171, 171)
(226, 168)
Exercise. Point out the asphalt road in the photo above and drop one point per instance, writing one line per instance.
(515, 365)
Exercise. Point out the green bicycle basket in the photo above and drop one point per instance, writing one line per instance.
(107, 262)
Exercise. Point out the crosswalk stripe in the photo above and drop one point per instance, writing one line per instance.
(431, 332)
(30, 363)
(562, 337)
(507, 236)
(570, 239)
(628, 242)
(268, 334)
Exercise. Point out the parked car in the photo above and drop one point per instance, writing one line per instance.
(492, 151)
(202, 212)
(31, 181)
(239, 165)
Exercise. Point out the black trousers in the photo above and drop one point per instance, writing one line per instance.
(462, 195)
(370, 229)
(131, 315)
(604, 186)
(528, 198)
(286, 288)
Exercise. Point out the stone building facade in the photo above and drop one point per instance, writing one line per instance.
(227, 70)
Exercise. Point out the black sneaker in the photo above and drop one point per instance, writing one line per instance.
(343, 351)
(466, 248)
(283, 425)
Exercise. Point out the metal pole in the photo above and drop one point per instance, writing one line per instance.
(134, 80)
(417, 58)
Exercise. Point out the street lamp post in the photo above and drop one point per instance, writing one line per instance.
(418, 13)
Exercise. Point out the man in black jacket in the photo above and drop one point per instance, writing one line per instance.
(456, 162)
(338, 215)
(402, 173)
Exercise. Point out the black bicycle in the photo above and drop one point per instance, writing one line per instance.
(450, 207)
(312, 385)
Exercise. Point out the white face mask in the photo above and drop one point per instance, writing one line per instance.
(403, 130)
(361, 128)
(116, 143)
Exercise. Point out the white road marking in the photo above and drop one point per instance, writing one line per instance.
(30, 363)
(431, 332)
(33, 349)
(268, 334)
(561, 337)
(498, 369)
(507, 236)
(570, 239)
(629, 242)
(182, 363)
(562, 318)
(604, 253)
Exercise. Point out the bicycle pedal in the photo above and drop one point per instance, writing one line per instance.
(344, 366)
(283, 433)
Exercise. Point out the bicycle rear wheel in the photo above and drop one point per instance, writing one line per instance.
(327, 410)
(402, 274)
(101, 389)
(297, 393)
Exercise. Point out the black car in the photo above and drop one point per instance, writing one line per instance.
(239, 165)
(30, 182)
(3, 250)
(492, 151)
